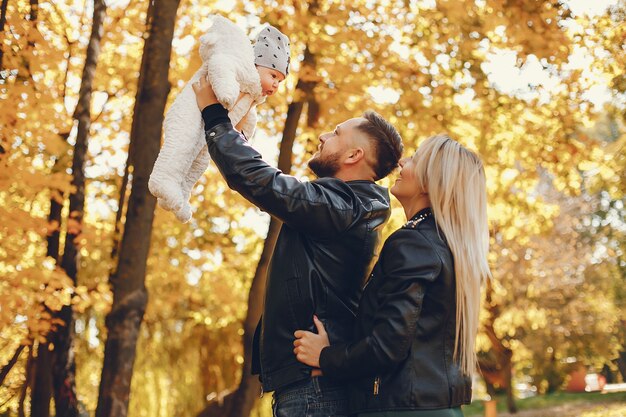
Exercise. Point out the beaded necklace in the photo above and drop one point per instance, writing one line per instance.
(417, 219)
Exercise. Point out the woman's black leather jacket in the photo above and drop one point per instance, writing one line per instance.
(402, 354)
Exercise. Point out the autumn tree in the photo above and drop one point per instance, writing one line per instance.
(426, 66)
(129, 292)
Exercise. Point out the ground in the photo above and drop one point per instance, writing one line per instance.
(562, 405)
(574, 410)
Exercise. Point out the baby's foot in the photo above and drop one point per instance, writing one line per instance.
(166, 204)
(183, 214)
(167, 192)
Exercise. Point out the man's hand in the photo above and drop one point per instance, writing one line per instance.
(204, 93)
(308, 346)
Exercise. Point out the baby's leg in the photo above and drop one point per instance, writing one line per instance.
(201, 163)
(182, 125)
(248, 124)
(223, 78)
(240, 109)
(196, 170)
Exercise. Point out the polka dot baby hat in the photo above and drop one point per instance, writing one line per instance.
(271, 50)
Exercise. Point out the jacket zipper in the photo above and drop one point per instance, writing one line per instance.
(376, 385)
(261, 361)
(371, 277)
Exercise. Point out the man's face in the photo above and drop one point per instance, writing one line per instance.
(333, 148)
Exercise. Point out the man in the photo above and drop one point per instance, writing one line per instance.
(331, 230)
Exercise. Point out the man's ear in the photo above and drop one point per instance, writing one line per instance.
(354, 155)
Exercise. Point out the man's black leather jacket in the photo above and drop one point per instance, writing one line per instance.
(324, 252)
(401, 356)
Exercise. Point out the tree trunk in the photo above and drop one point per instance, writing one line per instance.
(239, 403)
(553, 375)
(42, 383)
(502, 353)
(117, 229)
(621, 365)
(38, 375)
(3, 19)
(64, 366)
(491, 372)
(128, 281)
(3, 15)
(32, 17)
(34, 10)
(491, 389)
(7, 368)
(54, 224)
(57, 200)
(508, 374)
(27, 382)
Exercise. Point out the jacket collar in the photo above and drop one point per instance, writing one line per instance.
(420, 216)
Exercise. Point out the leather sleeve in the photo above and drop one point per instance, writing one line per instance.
(321, 208)
(409, 263)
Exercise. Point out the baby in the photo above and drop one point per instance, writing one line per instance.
(241, 76)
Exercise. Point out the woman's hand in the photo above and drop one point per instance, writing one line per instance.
(204, 93)
(308, 346)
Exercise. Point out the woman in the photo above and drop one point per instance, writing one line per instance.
(413, 350)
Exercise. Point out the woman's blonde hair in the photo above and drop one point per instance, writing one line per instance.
(454, 178)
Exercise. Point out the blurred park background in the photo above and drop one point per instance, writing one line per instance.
(110, 307)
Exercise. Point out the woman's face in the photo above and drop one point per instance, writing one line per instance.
(406, 185)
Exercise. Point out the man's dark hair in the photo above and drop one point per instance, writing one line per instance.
(386, 140)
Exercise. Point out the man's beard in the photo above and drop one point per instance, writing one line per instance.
(325, 167)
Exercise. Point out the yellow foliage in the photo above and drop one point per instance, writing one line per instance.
(427, 57)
